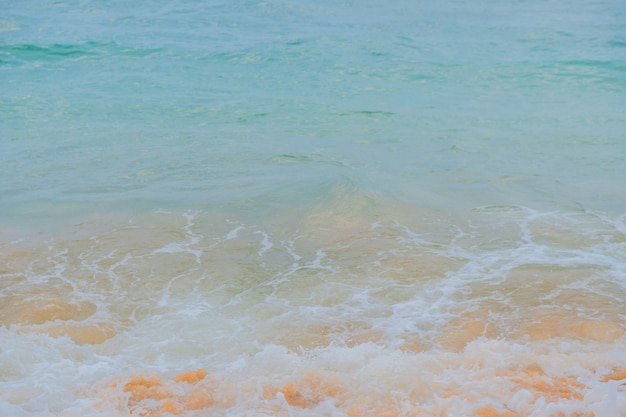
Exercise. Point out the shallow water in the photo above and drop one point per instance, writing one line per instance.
(272, 208)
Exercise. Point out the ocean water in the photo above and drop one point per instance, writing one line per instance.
(297, 208)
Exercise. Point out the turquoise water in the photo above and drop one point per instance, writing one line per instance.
(272, 190)
(196, 105)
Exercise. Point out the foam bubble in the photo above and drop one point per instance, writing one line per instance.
(489, 379)
(327, 316)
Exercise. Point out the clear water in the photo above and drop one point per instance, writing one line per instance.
(400, 208)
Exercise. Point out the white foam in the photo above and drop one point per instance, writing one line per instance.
(234, 233)
(266, 244)
(358, 313)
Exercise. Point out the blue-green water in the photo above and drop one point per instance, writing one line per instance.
(191, 104)
(393, 167)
